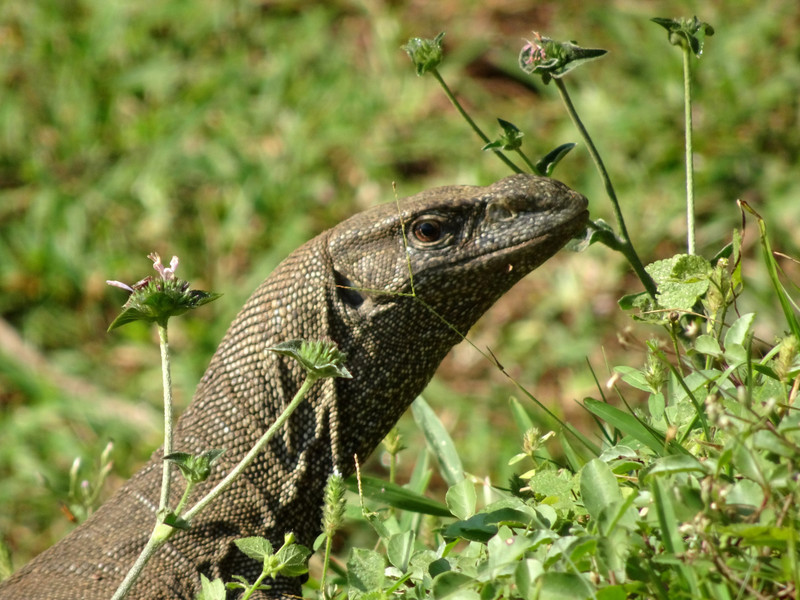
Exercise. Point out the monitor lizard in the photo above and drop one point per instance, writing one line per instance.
(466, 246)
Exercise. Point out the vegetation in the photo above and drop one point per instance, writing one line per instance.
(240, 129)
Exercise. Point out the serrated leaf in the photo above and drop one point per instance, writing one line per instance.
(255, 547)
(320, 358)
(293, 560)
(211, 590)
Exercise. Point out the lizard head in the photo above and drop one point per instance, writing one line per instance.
(410, 280)
(456, 248)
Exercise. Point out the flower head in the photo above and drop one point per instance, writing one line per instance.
(426, 54)
(552, 59)
(686, 33)
(156, 299)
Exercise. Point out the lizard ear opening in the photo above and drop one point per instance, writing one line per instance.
(346, 290)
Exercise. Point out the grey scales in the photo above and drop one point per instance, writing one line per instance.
(466, 246)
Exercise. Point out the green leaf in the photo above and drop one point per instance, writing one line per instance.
(478, 528)
(195, 468)
(747, 492)
(461, 499)
(663, 500)
(439, 441)
(397, 496)
(672, 464)
(211, 590)
(526, 573)
(176, 522)
(556, 487)
(611, 592)
(399, 549)
(321, 358)
(505, 549)
(686, 33)
(365, 571)
(599, 487)
(772, 269)
(708, 345)
(255, 547)
(681, 280)
(629, 425)
(548, 162)
(751, 463)
(450, 582)
(740, 331)
(633, 377)
(521, 417)
(293, 559)
(510, 140)
(564, 586)
(598, 231)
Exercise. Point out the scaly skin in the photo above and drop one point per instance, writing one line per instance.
(466, 247)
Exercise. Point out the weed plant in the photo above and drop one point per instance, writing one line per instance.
(691, 493)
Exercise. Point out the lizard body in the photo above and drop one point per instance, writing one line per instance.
(466, 246)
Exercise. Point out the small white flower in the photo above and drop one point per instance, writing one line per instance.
(167, 273)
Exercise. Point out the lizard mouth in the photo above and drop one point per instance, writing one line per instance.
(520, 259)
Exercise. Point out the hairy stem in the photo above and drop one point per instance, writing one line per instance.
(167, 383)
(254, 451)
(163, 532)
(687, 94)
(625, 245)
(325, 563)
(472, 123)
(153, 544)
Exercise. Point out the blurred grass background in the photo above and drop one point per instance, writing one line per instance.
(229, 132)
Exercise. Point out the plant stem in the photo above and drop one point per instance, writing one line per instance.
(254, 451)
(167, 383)
(475, 128)
(530, 165)
(392, 467)
(163, 532)
(687, 94)
(625, 242)
(255, 585)
(153, 544)
(325, 563)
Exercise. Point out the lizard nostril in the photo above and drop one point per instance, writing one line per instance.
(499, 211)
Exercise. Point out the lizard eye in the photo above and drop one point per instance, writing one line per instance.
(427, 230)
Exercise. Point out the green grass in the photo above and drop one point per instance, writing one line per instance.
(229, 133)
